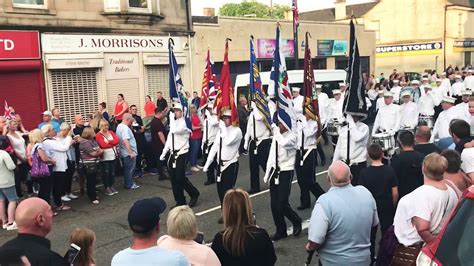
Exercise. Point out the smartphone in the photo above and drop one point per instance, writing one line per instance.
(199, 238)
(254, 218)
(72, 253)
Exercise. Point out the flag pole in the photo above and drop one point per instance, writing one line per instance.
(295, 37)
(170, 47)
(252, 98)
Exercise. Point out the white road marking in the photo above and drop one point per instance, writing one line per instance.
(252, 196)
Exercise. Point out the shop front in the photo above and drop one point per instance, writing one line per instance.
(84, 70)
(21, 75)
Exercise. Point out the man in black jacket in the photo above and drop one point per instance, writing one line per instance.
(34, 219)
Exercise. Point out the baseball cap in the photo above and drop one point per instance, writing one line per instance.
(47, 113)
(145, 214)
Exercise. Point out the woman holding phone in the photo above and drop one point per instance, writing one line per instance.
(81, 252)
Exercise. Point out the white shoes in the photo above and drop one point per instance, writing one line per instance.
(10, 227)
(65, 198)
(195, 169)
(72, 196)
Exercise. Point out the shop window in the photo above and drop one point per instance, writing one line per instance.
(468, 58)
(38, 4)
(157, 77)
(133, 6)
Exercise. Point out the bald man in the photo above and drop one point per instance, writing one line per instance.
(342, 221)
(34, 220)
(422, 140)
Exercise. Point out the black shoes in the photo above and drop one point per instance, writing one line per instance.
(207, 183)
(303, 207)
(193, 201)
(276, 237)
(297, 229)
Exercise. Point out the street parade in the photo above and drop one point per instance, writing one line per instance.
(287, 134)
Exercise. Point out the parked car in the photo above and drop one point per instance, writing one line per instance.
(454, 245)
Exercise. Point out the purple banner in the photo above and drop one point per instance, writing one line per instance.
(265, 48)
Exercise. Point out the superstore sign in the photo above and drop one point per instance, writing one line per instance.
(412, 48)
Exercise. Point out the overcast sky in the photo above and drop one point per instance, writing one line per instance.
(303, 5)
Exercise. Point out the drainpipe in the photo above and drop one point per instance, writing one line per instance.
(444, 36)
(190, 46)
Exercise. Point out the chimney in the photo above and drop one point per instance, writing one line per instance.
(209, 12)
(340, 9)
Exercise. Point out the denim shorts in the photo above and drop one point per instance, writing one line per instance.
(9, 193)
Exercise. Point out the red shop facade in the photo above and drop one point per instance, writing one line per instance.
(21, 75)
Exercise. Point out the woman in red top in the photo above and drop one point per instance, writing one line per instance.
(107, 141)
(121, 107)
(196, 138)
(149, 106)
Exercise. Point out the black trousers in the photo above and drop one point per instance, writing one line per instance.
(258, 160)
(307, 177)
(228, 178)
(67, 184)
(58, 179)
(45, 188)
(279, 195)
(179, 181)
(355, 171)
(322, 156)
(211, 172)
(386, 213)
(91, 182)
(21, 173)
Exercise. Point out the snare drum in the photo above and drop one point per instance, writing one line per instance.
(426, 120)
(333, 127)
(384, 139)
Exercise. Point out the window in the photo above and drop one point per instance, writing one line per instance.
(139, 6)
(468, 58)
(42, 4)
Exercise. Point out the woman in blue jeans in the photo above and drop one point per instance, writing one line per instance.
(196, 138)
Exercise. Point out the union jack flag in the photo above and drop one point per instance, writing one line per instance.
(7, 113)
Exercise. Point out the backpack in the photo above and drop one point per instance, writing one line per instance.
(39, 169)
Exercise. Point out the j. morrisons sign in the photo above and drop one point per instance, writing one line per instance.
(409, 48)
(58, 43)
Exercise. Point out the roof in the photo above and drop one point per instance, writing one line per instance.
(468, 3)
(329, 14)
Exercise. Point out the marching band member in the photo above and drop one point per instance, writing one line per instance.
(323, 101)
(427, 102)
(396, 91)
(469, 80)
(297, 100)
(445, 82)
(462, 108)
(457, 87)
(408, 111)
(335, 109)
(441, 127)
(417, 92)
(307, 129)
(210, 129)
(342, 88)
(280, 165)
(380, 100)
(178, 146)
(424, 82)
(226, 150)
(257, 142)
(358, 137)
(388, 118)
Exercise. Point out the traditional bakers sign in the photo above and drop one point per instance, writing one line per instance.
(63, 43)
(409, 49)
(121, 66)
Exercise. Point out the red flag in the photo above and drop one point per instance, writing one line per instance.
(310, 103)
(225, 95)
(205, 82)
(296, 18)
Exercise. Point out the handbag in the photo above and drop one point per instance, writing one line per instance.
(90, 167)
(39, 169)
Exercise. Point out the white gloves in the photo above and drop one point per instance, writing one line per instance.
(163, 156)
(246, 145)
(205, 168)
(266, 177)
(275, 129)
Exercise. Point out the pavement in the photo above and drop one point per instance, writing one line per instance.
(109, 218)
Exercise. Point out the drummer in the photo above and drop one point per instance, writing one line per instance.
(380, 100)
(408, 112)
(462, 108)
(388, 117)
(359, 137)
(441, 127)
(427, 102)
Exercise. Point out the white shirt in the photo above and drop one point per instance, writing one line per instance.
(387, 119)
(109, 154)
(335, 109)
(446, 84)
(469, 82)
(439, 93)
(462, 109)
(18, 144)
(261, 130)
(56, 149)
(229, 152)
(396, 93)
(409, 115)
(209, 129)
(457, 88)
(298, 104)
(426, 202)
(286, 151)
(7, 177)
(323, 102)
(426, 104)
(178, 138)
(309, 128)
(380, 102)
(441, 126)
(372, 94)
(359, 137)
(467, 158)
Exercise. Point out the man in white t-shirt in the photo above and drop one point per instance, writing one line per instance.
(144, 221)
(420, 214)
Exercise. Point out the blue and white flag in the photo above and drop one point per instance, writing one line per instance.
(278, 86)
(256, 93)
